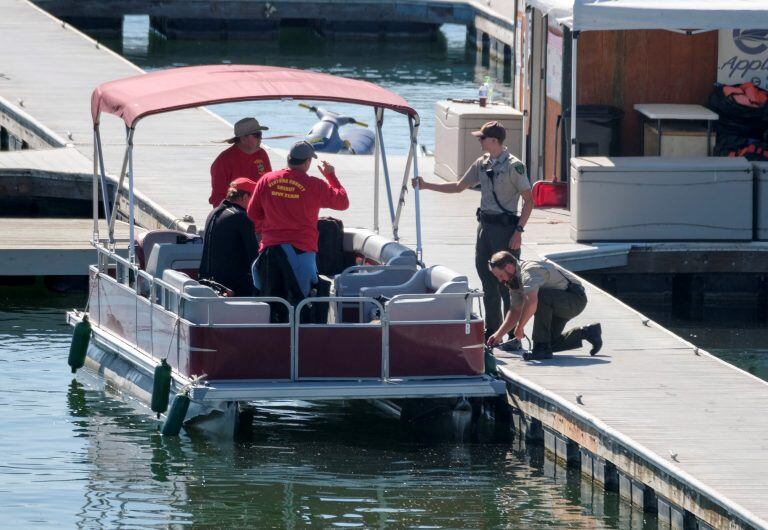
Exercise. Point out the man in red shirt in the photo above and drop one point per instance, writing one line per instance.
(285, 207)
(245, 159)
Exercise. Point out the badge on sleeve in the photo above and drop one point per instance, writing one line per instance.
(520, 167)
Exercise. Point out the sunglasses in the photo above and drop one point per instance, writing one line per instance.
(482, 137)
(257, 134)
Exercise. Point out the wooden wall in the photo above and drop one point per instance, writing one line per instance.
(621, 68)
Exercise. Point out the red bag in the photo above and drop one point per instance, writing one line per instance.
(548, 193)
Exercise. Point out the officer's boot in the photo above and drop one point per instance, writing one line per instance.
(541, 351)
(594, 335)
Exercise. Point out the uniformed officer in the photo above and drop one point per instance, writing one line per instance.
(552, 296)
(502, 182)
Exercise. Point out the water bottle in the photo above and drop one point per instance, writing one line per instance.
(483, 94)
(489, 84)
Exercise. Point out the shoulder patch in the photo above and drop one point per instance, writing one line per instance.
(520, 167)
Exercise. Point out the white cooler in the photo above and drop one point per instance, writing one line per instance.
(661, 199)
(455, 148)
(761, 200)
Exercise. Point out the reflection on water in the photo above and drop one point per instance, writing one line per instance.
(76, 455)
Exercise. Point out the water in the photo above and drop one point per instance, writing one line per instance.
(77, 455)
(420, 72)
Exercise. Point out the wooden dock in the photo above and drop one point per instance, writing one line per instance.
(672, 427)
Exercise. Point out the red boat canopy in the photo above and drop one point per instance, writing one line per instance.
(135, 97)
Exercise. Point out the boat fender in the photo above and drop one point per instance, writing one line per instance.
(175, 418)
(79, 345)
(490, 362)
(161, 387)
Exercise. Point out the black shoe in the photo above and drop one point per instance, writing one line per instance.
(594, 335)
(540, 352)
(512, 345)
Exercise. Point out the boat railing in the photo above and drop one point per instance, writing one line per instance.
(155, 294)
(381, 323)
(468, 297)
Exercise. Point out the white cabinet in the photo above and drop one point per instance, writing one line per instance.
(761, 200)
(661, 199)
(456, 148)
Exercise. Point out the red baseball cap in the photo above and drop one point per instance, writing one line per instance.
(243, 184)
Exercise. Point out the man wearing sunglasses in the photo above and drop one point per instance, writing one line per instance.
(244, 159)
(502, 182)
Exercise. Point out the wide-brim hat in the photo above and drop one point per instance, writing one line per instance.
(245, 127)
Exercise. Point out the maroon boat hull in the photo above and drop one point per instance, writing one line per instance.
(325, 352)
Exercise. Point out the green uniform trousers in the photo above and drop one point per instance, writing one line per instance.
(555, 308)
(492, 238)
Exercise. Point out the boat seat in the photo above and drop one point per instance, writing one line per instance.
(146, 240)
(174, 256)
(438, 280)
(201, 303)
(398, 263)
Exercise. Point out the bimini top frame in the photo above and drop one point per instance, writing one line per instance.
(136, 97)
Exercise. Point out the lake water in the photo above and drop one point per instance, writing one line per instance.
(75, 455)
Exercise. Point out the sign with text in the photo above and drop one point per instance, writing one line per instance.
(742, 55)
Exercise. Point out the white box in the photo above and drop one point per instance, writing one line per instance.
(661, 199)
(761, 200)
(456, 148)
(677, 139)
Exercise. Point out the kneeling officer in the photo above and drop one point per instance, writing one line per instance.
(539, 289)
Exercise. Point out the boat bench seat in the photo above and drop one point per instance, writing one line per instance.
(203, 306)
(438, 280)
(146, 240)
(174, 256)
(397, 263)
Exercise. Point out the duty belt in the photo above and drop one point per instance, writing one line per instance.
(504, 219)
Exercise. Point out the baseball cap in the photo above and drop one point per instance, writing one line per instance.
(245, 127)
(302, 151)
(243, 184)
(492, 129)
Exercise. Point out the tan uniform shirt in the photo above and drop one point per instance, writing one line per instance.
(540, 275)
(509, 181)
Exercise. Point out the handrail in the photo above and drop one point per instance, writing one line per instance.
(294, 313)
(468, 297)
(383, 323)
(364, 269)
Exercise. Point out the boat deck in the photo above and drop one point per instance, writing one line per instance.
(672, 417)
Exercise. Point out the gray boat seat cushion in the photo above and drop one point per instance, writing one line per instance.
(381, 250)
(437, 279)
(433, 279)
(195, 306)
(145, 240)
(172, 256)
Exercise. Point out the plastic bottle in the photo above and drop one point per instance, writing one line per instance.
(489, 84)
(483, 94)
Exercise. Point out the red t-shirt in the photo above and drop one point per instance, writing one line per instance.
(285, 205)
(234, 163)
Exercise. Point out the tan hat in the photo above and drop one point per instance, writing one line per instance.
(492, 129)
(245, 127)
